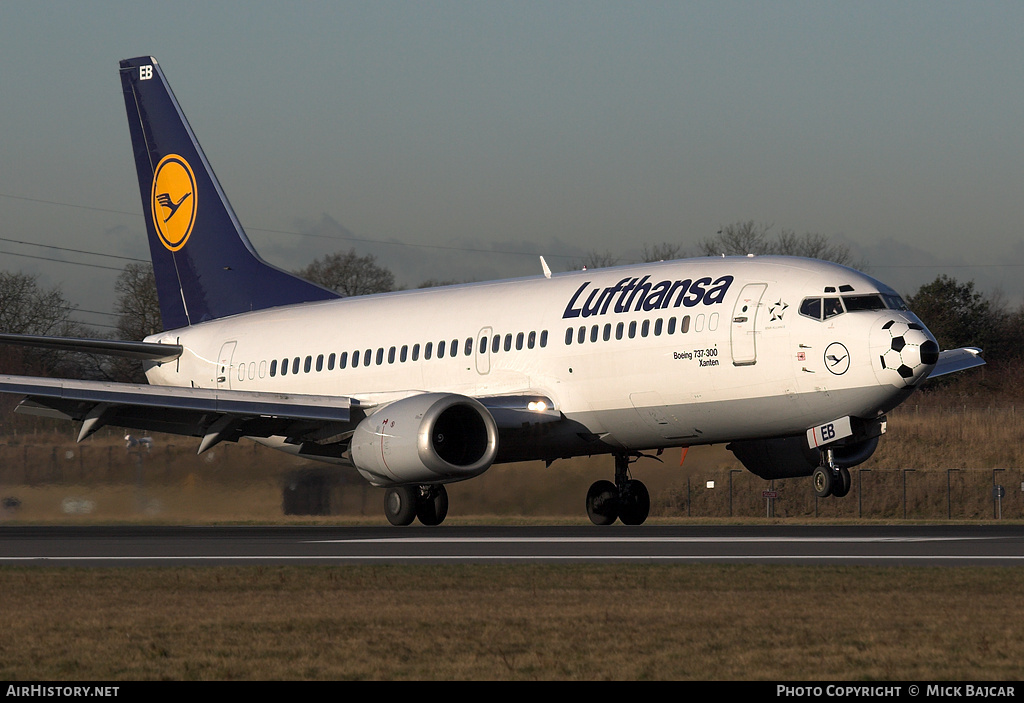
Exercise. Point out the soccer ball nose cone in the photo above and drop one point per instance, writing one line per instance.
(907, 353)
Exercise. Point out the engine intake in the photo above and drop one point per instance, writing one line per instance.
(427, 438)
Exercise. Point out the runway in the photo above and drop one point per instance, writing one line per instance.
(961, 545)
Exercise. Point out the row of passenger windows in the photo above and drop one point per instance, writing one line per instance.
(645, 328)
(370, 357)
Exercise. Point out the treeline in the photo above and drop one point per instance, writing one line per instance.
(957, 313)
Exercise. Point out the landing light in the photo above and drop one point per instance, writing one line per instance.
(537, 405)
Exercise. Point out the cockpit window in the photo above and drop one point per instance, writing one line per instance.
(811, 307)
(894, 302)
(825, 308)
(832, 307)
(854, 303)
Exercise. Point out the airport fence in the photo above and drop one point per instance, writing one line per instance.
(876, 493)
(111, 478)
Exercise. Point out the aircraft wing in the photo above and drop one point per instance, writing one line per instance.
(213, 414)
(953, 360)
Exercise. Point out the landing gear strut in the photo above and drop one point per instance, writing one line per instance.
(403, 504)
(627, 499)
(829, 479)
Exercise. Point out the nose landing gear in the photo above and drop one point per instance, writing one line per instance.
(829, 479)
(627, 499)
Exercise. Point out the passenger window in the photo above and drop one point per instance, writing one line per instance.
(632, 329)
(380, 355)
(544, 338)
(320, 362)
(531, 341)
(519, 341)
(415, 352)
(593, 333)
(273, 368)
(330, 362)
(671, 326)
(428, 350)
(343, 360)
(440, 349)
(618, 330)
(391, 355)
(568, 336)
(582, 336)
(657, 327)
(495, 343)
(455, 348)
(645, 327)
(405, 353)
(684, 324)
(469, 346)
(295, 365)
(508, 342)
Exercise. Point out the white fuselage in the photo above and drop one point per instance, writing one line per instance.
(654, 355)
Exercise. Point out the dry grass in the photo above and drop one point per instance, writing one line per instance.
(522, 622)
(933, 464)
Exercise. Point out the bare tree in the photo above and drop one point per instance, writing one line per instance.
(437, 282)
(594, 260)
(138, 310)
(28, 308)
(662, 252)
(743, 238)
(738, 239)
(349, 274)
(137, 305)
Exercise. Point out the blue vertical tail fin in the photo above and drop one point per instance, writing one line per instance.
(205, 266)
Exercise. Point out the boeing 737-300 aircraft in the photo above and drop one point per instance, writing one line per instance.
(793, 362)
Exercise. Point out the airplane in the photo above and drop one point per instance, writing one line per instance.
(792, 362)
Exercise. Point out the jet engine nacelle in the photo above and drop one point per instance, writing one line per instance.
(790, 457)
(427, 438)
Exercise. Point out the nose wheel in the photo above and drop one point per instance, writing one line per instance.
(627, 499)
(829, 479)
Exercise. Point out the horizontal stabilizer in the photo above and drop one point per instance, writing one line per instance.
(143, 351)
(953, 360)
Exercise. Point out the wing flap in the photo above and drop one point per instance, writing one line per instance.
(213, 414)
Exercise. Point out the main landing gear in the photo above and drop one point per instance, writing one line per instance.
(627, 499)
(403, 504)
(829, 479)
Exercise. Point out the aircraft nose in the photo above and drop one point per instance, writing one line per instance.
(907, 352)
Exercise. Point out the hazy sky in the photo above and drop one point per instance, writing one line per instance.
(459, 140)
